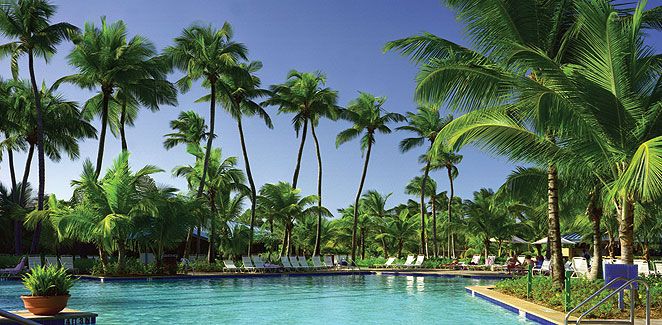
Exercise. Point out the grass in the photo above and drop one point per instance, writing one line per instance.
(544, 294)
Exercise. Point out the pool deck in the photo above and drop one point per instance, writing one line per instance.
(67, 316)
(528, 310)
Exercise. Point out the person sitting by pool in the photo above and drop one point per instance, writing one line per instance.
(453, 265)
(513, 264)
(529, 261)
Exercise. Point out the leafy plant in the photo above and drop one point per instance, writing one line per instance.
(48, 281)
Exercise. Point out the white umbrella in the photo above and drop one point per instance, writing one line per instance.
(563, 241)
(513, 239)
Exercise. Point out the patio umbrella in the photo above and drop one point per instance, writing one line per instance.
(563, 241)
(513, 239)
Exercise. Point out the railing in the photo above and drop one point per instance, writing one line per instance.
(16, 318)
(631, 284)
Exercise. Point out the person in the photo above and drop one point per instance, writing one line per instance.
(513, 263)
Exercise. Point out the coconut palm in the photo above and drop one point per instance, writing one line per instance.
(239, 93)
(190, 129)
(448, 160)
(373, 205)
(402, 228)
(205, 53)
(425, 124)
(368, 117)
(107, 61)
(422, 187)
(304, 95)
(27, 24)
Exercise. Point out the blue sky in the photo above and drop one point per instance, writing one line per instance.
(342, 38)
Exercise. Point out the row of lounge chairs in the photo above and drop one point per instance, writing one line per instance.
(32, 261)
(410, 262)
(288, 263)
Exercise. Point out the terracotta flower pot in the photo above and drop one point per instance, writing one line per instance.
(45, 305)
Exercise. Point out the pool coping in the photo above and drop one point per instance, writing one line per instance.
(66, 316)
(526, 309)
(215, 276)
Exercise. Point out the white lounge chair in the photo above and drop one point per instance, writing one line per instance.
(248, 264)
(409, 262)
(389, 263)
(642, 267)
(419, 261)
(34, 261)
(317, 263)
(521, 259)
(580, 267)
(295, 263)
(303, 263)
(475, 262)
(259, 264)
(67, 262)
(286, 263)
(52, 260)
(230, 267)
(328, 261)
(658, 267)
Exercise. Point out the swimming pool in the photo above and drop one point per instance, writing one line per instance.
(356, 299)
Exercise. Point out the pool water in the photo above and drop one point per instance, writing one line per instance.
(344, 299)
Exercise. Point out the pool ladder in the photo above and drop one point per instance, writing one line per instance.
(629, 284)
(17, 319)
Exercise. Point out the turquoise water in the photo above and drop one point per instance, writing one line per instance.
(345, 299)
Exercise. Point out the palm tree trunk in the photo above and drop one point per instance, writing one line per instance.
(423, 247)
(125, 147)
(205, 166)
(554, 228)
(18, 224)
(212, 232)
(595, 214)
(121, 257)
(26, 171)
(318, 233)
(626, 229)
(358, 197)
(102, 134)
(103, 260)
(295, 178)
(451, 248)
(40, 151)
(198, 241)
(435, 246)
(251, 183)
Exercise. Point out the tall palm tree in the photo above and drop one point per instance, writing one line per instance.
(448, 160)
(205, 53)
(107, 60)
(27, 23)
(373, 204)
(238, 93)
(425, 124)
(402, 228)
(304, 95)
(367, 117)
(190, 129)
(416, 187)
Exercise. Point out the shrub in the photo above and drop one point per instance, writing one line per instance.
(8, 261)
(48, 281)
(85, 265)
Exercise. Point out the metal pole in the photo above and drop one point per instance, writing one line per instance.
(567, 290)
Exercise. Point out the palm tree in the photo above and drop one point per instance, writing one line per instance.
(373, 204)
(205, 53)
(402, 228)
(304, 95)
(28, 22)
(222, 176)
(238, 94)
(107, 60)
(190, 129)
(64, 126)
(425, 124)
(416, 187)
(447, 159)
(287, 204)
(367, 115)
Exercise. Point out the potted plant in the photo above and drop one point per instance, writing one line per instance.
(49, 290)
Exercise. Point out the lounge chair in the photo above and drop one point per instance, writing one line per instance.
(658, 267)
(286, 263)
(230, 267)
(544, 268)
(147, 258)
(34, 261)
(295, 263)
(67, 262)
(475, 262)
(340, 259)
(15, 270)
(317, 263)
(419, 261)
(52, 260)
(580, 267)
(521, 259)
(642, 267)
(260, 265)
(248, 264)
(328, 261)
(388, 263)
(408, 263)
(304, 263)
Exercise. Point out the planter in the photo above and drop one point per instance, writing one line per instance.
(45, 305)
